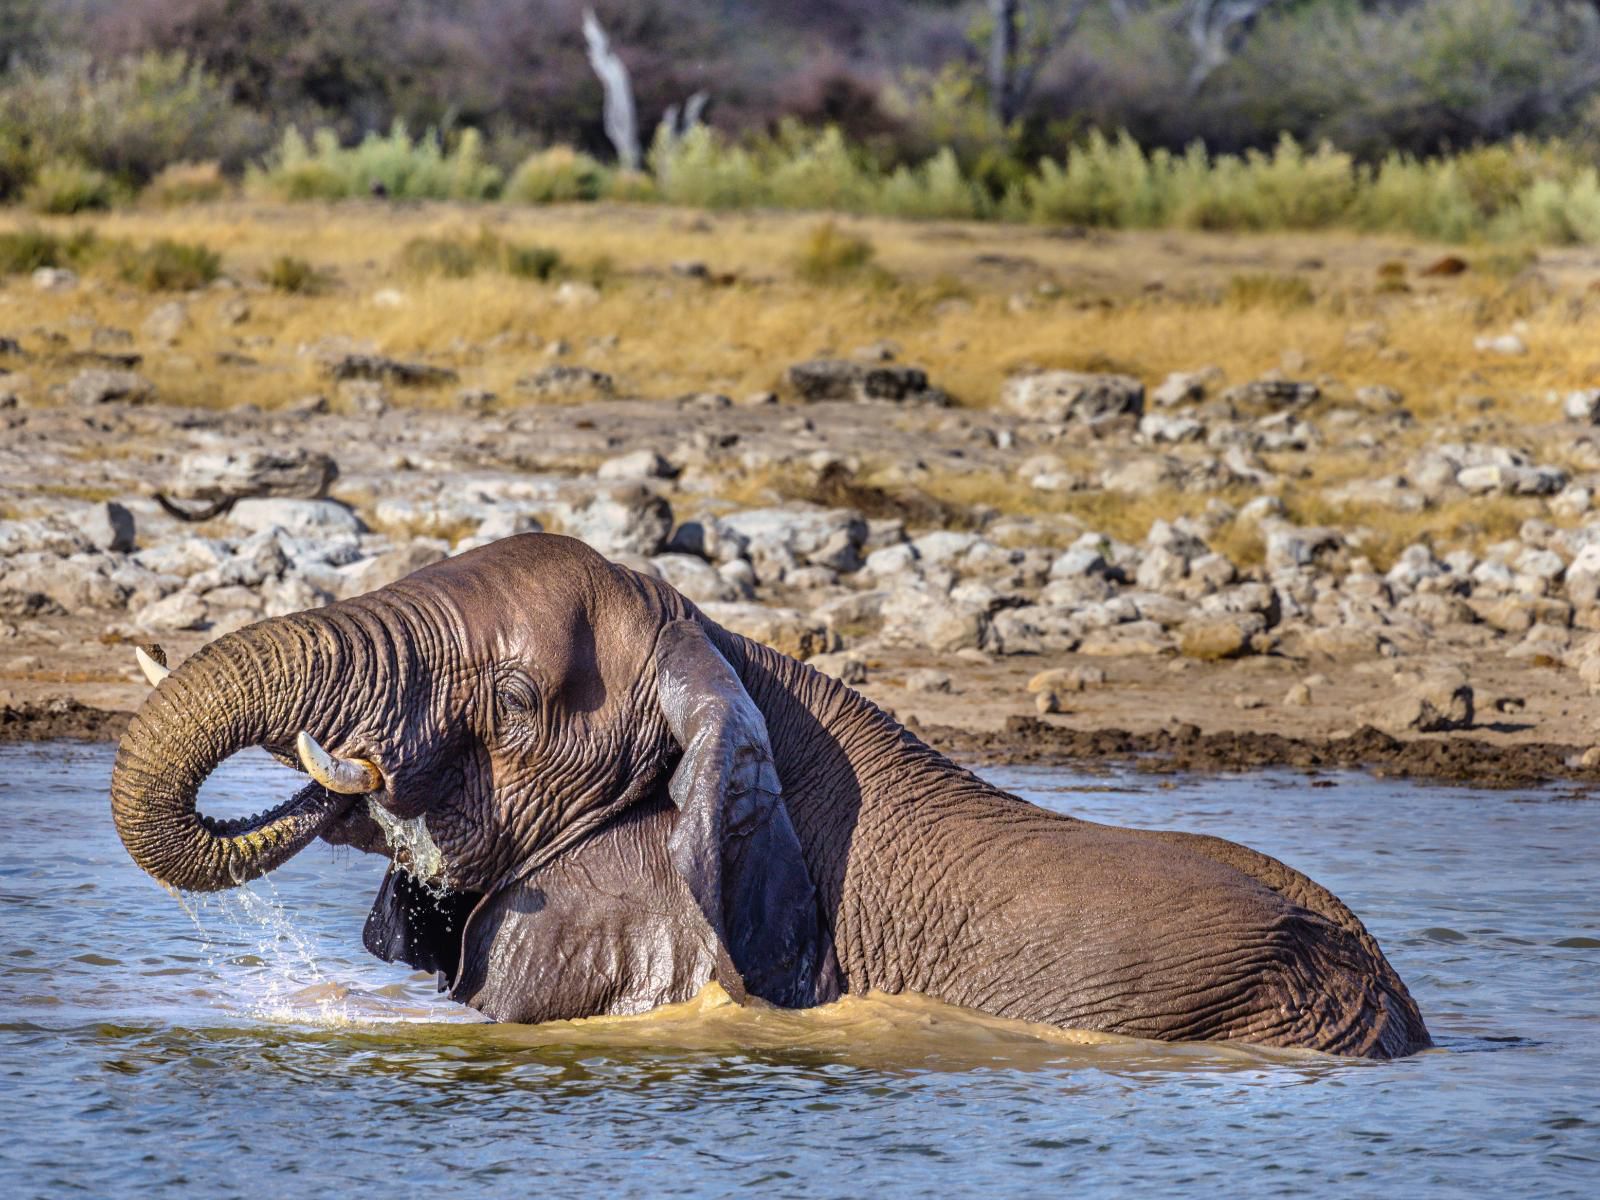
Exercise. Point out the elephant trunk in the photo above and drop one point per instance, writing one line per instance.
(260, 686)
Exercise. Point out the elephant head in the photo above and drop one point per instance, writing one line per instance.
(482, 721)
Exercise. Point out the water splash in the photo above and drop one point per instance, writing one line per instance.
(412, 848)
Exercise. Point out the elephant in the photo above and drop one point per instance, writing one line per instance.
(595, 800)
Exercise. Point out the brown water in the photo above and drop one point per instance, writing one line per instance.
(245, 1045)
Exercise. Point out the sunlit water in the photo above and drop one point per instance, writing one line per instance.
(245, 1045)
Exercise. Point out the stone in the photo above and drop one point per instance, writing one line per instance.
(576, 294)
(370, 574)
(97, 386)
(777, 540)
(784, 629)
(1158, 428)
(181, 610)
(1184, 387)
(109, 526)
(919, 617)
(368, 397)
(236, 474)
(504, 523)
(1298, 696)
(297, 516)
(847, 667)
(1379, 398)
(1582, 406)
(928, 680)
(843, 380)
(1072, 397)
(1213, 638)
(640, 464)
(1435, 702)
(623, 519)
(54, 279)
(1271, 395)
(697, 579)
(562, 380)
(1508, 345)
(1293, 546)
(378, 368)
(166, 323)
(1249, 702)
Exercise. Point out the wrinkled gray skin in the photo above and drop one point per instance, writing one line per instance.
(630, 800)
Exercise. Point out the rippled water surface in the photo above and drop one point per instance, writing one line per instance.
(246, 1045)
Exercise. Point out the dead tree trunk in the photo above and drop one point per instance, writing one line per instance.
(621, 119)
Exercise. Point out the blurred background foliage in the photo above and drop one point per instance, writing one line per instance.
(1449, 118)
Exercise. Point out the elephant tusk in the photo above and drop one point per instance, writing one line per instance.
(154, 671)
(347, 776)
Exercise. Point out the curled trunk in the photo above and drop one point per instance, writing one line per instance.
(257, 687)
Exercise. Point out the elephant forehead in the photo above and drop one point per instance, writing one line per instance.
(549, 602)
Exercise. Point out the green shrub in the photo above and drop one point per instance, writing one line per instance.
(829, 255)
(702, 170)
(457, 257)
(559, 174)
(63, 188)
(25, 250)
(937, 188)
(169, 266)
(286, 273)
(531, 262)
(396, 166)
(128, 119)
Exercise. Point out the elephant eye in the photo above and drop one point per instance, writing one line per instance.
(517, 694)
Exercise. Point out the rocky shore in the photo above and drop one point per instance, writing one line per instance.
(1221, 571)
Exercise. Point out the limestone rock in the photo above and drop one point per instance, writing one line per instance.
(623, 519)
(784, 629)
(234, 474)
(845, 666)
(563, 380)
(1433, 702)
(1073, 397)
(1212, 638)
(314, 517)
(841, 379)
(97, 386)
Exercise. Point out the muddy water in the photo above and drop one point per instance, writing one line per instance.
(247, 1046)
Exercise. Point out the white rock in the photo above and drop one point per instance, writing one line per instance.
(640, 464)
(1506, 344)
(181, 610)
(54, 279)
(1072, 396)
(295, 516)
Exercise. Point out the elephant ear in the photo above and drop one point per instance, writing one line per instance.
(732, 842)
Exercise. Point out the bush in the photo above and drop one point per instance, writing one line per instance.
(187, 183)
(63, 188)
(829, 255)
(128, 120)
(25, 250)
(937, 188)
(286, 273)
(169, 266)
(531, 262)
(394, 166)
(559, 174)
(457, 257)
